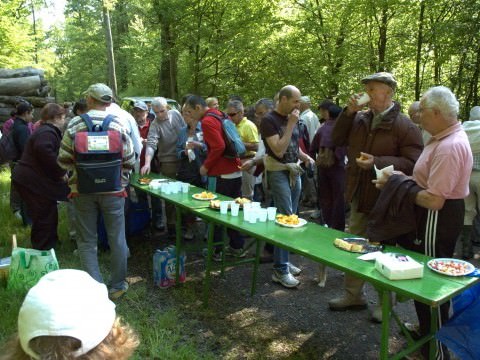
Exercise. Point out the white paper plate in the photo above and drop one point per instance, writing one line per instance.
(446, 266)
(197, 197)
(301, 223)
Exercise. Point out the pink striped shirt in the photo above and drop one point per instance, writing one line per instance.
(444, 167)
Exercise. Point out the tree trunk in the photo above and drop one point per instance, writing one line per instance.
(121, 21)
(112, 78)
(418, 58)
(19, 86)
(15, 73)
(382, 38)
(35, 101)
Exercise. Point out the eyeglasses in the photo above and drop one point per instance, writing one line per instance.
(232, 114)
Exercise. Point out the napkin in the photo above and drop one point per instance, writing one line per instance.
(380, 172)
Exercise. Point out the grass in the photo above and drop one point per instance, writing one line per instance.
(165, 332)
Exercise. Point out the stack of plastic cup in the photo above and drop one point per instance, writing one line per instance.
(253, 216)
(234, 207)
(271, 212)
(262, 215)
(224, 207)
(166, 188)
(247, 208)
(256, 204)
(185, 187)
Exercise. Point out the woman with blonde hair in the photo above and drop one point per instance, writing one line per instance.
(68, 315)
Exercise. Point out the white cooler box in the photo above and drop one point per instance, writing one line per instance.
(396, 266)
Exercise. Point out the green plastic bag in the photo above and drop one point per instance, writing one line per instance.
(28, 266)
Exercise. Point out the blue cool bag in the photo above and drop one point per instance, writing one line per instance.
(461, 334)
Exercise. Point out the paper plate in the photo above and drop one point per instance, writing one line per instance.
(451, 267)
(198, 197)
(301, 222)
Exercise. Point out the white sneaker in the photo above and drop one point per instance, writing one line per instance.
(287, 280)
(294, 270)
(18, 215)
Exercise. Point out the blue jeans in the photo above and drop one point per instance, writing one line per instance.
(87, 207)
(285, 199)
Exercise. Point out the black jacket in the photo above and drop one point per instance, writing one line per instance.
(394, 213)
(38, 169)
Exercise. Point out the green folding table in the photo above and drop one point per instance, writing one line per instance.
(316, 242)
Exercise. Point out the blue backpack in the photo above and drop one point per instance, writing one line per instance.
(234, 146)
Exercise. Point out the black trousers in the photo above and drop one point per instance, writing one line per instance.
(437, 233)
(232, 188)
(44, 214)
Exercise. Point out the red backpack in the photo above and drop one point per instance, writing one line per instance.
(98, 154)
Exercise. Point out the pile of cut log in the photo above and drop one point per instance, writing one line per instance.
(26, 83)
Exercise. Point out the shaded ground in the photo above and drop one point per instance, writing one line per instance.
(276, 323)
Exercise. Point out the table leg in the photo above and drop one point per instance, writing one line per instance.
(255, 266)
(433, 330)
(178, 242)
(225, 239)
(208, 268)
(386, 309)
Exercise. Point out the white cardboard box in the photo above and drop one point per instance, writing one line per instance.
(395, 266)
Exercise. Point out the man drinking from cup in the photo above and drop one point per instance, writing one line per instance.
(380, 135)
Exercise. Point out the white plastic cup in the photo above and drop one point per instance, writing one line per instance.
(271, 212)
(167, 188)
(247, 209)
(185, 187)
(224, 207)
(255, 204)
(234, 207)
(363, 99)
(262, 215)
(253, 216)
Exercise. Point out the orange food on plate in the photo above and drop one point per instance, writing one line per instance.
(215, 204)
(288, 219)
(144, 181)
(205, 195)
(241, 200)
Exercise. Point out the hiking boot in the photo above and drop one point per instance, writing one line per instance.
(347, 302)
(217, 255)
(238, 253)
(287, 280)
(294, 270)
(115, 294)
(159, 225)
(189, 234)
(377, 315)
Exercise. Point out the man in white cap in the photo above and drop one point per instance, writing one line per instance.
(110, 203)
(378, 136)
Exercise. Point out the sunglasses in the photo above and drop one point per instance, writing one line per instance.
(232, 114)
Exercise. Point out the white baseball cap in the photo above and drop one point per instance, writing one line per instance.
(66, 303)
